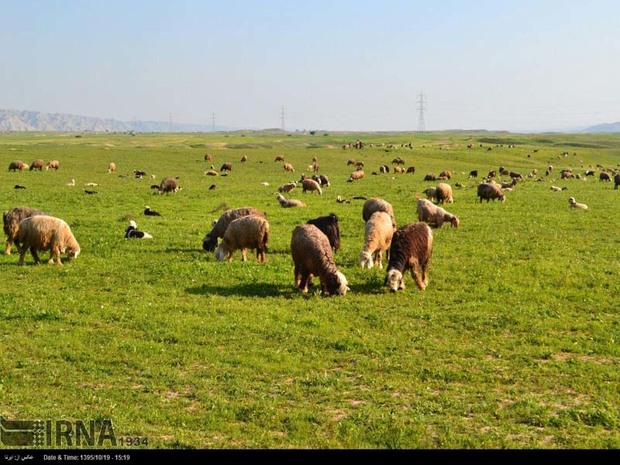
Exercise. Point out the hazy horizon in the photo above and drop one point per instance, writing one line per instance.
(519, 66)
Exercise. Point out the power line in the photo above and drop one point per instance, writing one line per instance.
(421, 100)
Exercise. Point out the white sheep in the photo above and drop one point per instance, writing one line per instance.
(313, 256)
(377, 239)
(435, 215)
(574, 204)
(42, 232)
(375, 204)
(209, 243)
(248, 232)
(289, 203)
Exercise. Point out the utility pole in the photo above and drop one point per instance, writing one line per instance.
(282, 118)
(421, 100)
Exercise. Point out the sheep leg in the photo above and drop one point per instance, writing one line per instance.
(7, 249)
(35, 255)
(415, 274)
(22, 253)
(378, 259)
(244, 255)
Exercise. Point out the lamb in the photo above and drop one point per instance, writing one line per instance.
(411, 249)
(490, 191)
(11, 220)
(52, 165)
(209, 243)
(313, 256)
(287, 187)
(43, 232)
(289, 203)
(574, 204)
(310, 185)
(377, 240)
(112, 167)
(248, 232)
(132, 232)
(375, 205)
(434, 215)
(168, 185)
(330, 227)
(443, 194)
(17, 165)
(37, 165)
(288, 167)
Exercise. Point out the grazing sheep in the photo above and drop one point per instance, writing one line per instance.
(430, 193)
(321, 179)
(330, 227)
(17, 165)
(445, 174)
(434, 215)
(244, 158)
(377, 205)
(112, 167)
(289, 203)
(42, 232)
(168, 185)
(37, 165)
(411, 249)
(430, 177)
(287, 187)
(490, 191)
(209, 243)
(384, 169)
(132, 232)
(616, 181)
(248, 232)
(377, 239)
(226, 167)
(208, 157)
(211, 173)
(312, 256)
(288, 167)
(310, 185)
(356, 176)
(473, 174)
(279, 158)
(443, 194)
(11, 220)
(52, 165)
(557, 189)
(411, 170)
(604, 176)
(574, 204)
(149, 212)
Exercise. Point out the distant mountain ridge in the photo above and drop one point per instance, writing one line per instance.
(25, 120)
(604, 127)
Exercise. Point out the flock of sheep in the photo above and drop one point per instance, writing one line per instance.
(312, 246)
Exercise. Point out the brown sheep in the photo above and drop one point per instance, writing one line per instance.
(434, 215)
(411, 249)
(330, 227)
(226, 167)
(52, 165)
(356, 176)
(287, 187)
(17, 165)
(310, 185)
(378, 205)
(445, 174)
(244, 158)
(430, 177)
(42, 232)
(288, 167)
(37, 165)
(377, 239)
(279, 158)
(490, 191)
(168, 186)
(11, 220)
(443, 193)
(209, 243)
(248, 232)
(312, 256)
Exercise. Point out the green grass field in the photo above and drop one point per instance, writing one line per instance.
(514, 344)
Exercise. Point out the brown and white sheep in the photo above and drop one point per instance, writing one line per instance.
(356, 176)
(312, 256)
(168, 185)
(310, 185)
(209, 243)
(248, 232)
(17, 165)
(11, 220)
(52, 165)
(411, 249)
(378, 205)
(443, 193)
(377, 240)
(330, 226)
(490, 191)
(41, 233)
(289, 203)
(434, 215)
(37, 165)
(287, 186)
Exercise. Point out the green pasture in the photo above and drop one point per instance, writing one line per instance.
(515, 344)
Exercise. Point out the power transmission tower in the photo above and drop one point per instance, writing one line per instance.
(421, 100)
(213, 121)
(282, 118)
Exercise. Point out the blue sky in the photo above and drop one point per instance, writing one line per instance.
(335, 65)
